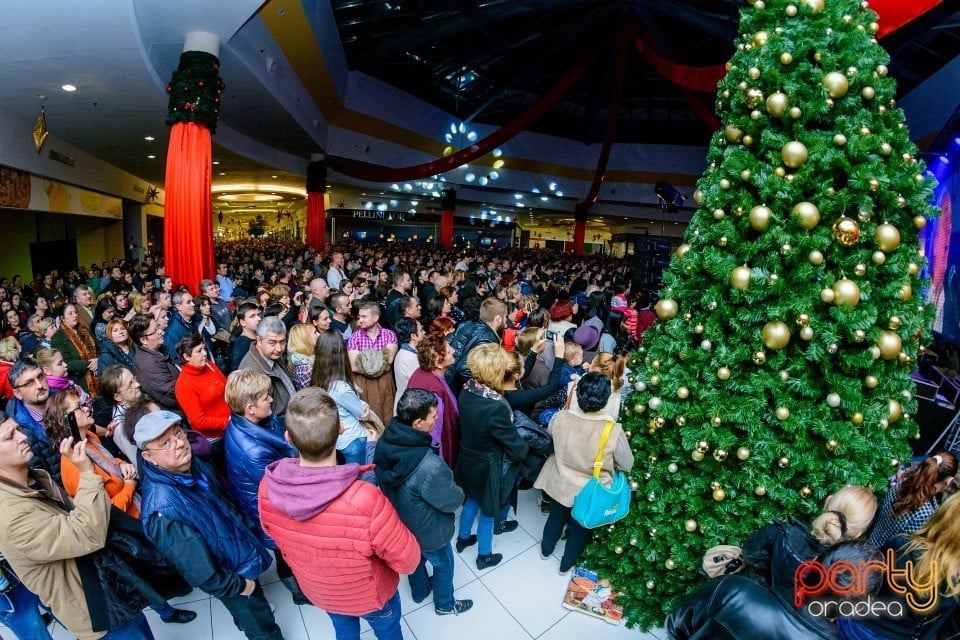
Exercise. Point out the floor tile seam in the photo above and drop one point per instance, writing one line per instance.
(566, 612)
(503, 606)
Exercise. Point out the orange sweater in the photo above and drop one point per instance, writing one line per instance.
(200, 395)
(120, 491)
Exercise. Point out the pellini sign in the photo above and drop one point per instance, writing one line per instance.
(370, 214)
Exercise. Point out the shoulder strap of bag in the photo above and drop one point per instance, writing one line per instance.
(598, 463)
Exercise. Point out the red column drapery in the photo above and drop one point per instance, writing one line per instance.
(446, 217)
(316, 210)
(579, 227)
(188, 223)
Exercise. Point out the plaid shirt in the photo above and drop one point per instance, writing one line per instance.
(886, 527)
(360, 341)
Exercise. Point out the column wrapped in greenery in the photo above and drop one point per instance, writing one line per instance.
(792, 314)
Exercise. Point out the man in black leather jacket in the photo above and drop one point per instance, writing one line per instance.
(493, 318)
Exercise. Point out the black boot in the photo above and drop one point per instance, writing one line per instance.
(298, 597)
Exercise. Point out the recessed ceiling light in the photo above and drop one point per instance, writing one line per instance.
(223, 173)
(151, 156)
(274, 177)
(68, 88)
(149, 138)
(216, 162)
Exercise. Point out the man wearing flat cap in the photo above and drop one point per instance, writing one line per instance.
(191, 519)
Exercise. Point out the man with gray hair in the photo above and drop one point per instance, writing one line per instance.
(319, 291)
(83, 296)
(265, 356)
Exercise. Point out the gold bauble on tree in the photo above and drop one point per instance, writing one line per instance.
(723, 373)
(846, 231)
(890, 344)
(776, 335)
(743, 453)
(682, 251)
(816, 6)
(777, 104)
(740, 278)
(815, 258)
(894, 412)
(760, 217)
(690, 525)
(836, 84)
(887, 237)
(782, 413)
(732, 133)
(760, 38)
(806, 492)
(666, 309)
(846, 292)
(719, 494)
(807, 214)
(794, 154)
(905, 292)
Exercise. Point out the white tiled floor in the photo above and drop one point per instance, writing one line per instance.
(519, 599)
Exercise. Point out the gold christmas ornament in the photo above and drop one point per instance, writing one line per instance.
(673, 467)
(860, 269)
(878, 257)
(669, 564)
(815, 258)
(690, 525)
(683, 393)
(806, 492)
(723, 373)
(784, 375)
(839, 139)
(836, 84)
(759, 357)
(806, 334)
(815, 6)
(882, 70)
(905, 292)
(794, 154)
(698, 329)
(864, 215)
(760, 38)
(618, 550)
(783, 462)
(782, 413)
(786, 58)
(827, 295)
(682, 250)
(785, 248)
(777, 104)
(889, 344)
(894, 322)
(760, 217)
(722, 241)
(807, 214)
(871, 382)
(718, 214)
(803, 319)
(795, 113)
(754, 98)
(846, 292)
(720, 455)
(753, 72)
(666, 309)
(747, 140)
(697, 456)
(681, 420)
(760, 490)
(740, 278)
(832, 445)
(732, 134)
(703, 446)
(791, 10)
(776, 335)
(743, 453)
(724, 184)
(886, 149)
(919, 222)
(780, 172)
(887, 237)
(698, 196)
(895, 410)
(832, 347)
(859, 336)
(716, 421)
(719, 494)
(913, 269)
(846, 231)
(868, 93)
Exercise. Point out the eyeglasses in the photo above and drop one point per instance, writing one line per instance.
(85, 408)
(36, 381)
(171, 442)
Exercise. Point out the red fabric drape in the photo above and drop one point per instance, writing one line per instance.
(188, 223)
(316, 221)
(579, 227)
(446, 228)
(896, 13)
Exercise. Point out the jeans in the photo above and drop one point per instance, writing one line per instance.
(19, 612)
(385, 622)
(356, 451)
(442, 561)
(576, 540)
(470, 512)
(253, 616)
(136, 629)
(851, 629)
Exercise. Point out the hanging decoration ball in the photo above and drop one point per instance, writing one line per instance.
(887, 237)
(794, 154)
(783, 462)
(836, 84)
(905, 292)
(672, 467)
(886, 149)
(780, 172)
(732, 134)
(777, 104)
(698, 196)
(807, 214)
(860, 269)
(760, 38)
(795, 113)
(918, 178)
(833, 400)
(655, 403)
(784, 375)
(682, 251)
(868, 93)
(719, 494)
(890, 344)
(846, 292)
(832, 445)
(806, 492)
(816, 6)
(755, 114)
(803, 319)
(634, 485)
(815, 258)
(754, 72)
(919, 222)
(782, 413)
(894, 412)
(651, 496)
(776, 335)
(859, 335)
(760, 490)
(740, 277)
(652, 532)
(690, 525)
(832, 347)
(712, 305)
(718, 214)
(840, 140)
(785, 248)
(743, 453)
(720, 455)
(754, 98)
(722, 241)
(791, 10)
(618, 550)
(882, 70)
(760, 217)
(669, 564)
(640, 385)
(895, 322)
(786, 58)
(871, 382)
(864, 215)
(698, 329)
(878, 257)
(759, 357)
(703, 446)
(706, 345)
(827, 295)
(683, 393)
(666, 309)
(846, 231)
(875, 352)
(724, 184)
(913, 268)
(723, 373)
(747, 140)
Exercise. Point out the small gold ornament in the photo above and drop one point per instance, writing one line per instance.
(690, 525)
(669, 564)
(759, 357)
(747, 140)
(760, 490)
(673, 467)
(894, 412)
(697, 456)
(846, 292)
(871, 382)
(682, 251)
(654, 381)
(913, 269)
(780, 172)
(754, 98)
(878, 257)
(786, 58)
(755, 114)
(832, 347)
(795, 113)
(859, 336)
(716, 421)
(919, 222)
(698, 196)
(791, 10)
(703, 446)
(905, 292)
(698, 329)
(846, 231)
(732, 134)
(807, 214)
(887, 237)
(718, 214)
(894, 322)
(806, 334)
(836, 84)
(753, 72)
(860, 269)
(889, 343)
(882, 70)
(740, 278)
(785, 248)
(864, 131)
(760, 217)
(618, 550)
(875, 352)
(683, 393)
(719, 455)
(782, 413)
(743, 453)
(806, 492)
(868, 93)
(760, 38)
(681, 420)
(719, 494)
(777, 104)
(832, 445)
(886, 149)
(816, 6)
(827, 295)
(839, 139)
(706, 345)
(666, 309)
(776, 335)
(815, 258)
(918, 178)
(794, 154)
(803, 319)
(864, 215)
(783, 462)
(722, 241)
(723, 373)
(724, 184)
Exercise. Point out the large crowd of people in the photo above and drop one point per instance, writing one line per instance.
(331, 411)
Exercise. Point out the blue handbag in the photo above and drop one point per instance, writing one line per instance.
(597, 505)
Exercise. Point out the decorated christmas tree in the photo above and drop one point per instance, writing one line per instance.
(791, 316)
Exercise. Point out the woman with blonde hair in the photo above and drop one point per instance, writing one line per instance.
(116, 346)
(9, 353)
(776, 550)
(301, 342)
(612, 367)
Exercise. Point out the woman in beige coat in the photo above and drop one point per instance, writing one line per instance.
(576, 440)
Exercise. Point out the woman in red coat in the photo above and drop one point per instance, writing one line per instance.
(200, 389)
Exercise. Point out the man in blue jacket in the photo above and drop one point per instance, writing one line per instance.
(192, 521)
(421, 488)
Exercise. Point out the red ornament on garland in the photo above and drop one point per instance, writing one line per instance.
(169, 89)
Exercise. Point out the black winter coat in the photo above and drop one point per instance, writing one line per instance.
(775, 551)
(467, 336)
(491, 449)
